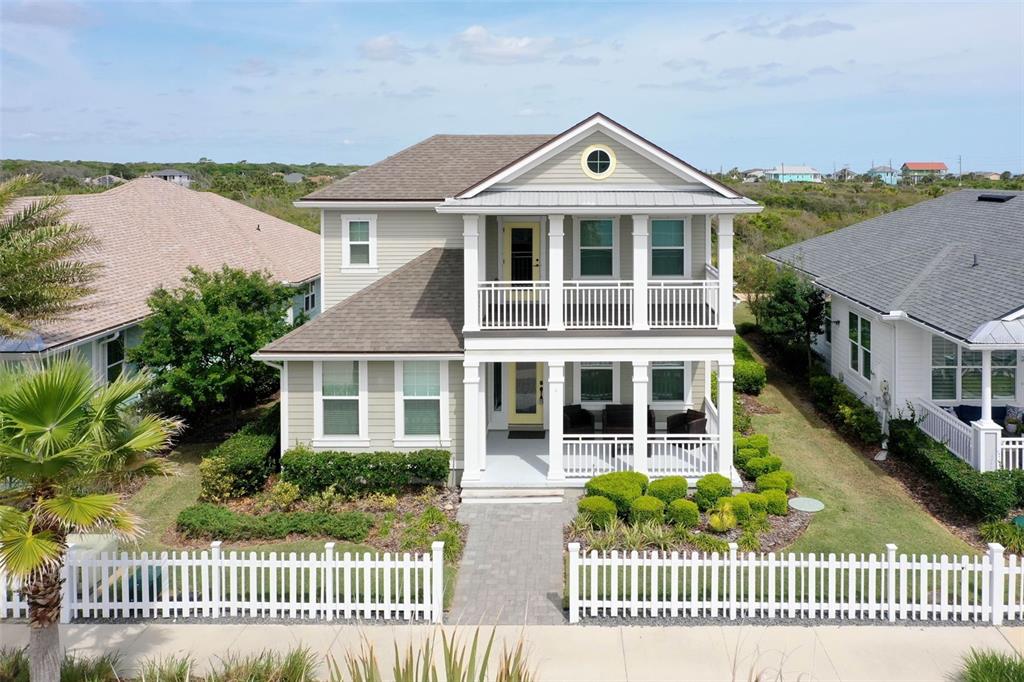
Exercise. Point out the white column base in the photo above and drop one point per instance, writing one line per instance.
(986, 445)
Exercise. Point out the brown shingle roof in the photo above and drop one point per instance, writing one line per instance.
(415, 309)
(440, 166)
(150, 231)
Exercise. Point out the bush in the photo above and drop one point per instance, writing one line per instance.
(601, 510)
(744, 328)
(621, 487)
(989, 495)
(710, 488)
(741, 420)
(242, 465)
(216, 484)
(361, 473)
(283, 495)
(754, 500)
(758, 466)
(744, 455)
(683, 513)
(1005, 533)
(722, 520)
(739, 506)
(645, 509)
(212, 522)
(776, 502)
(758, 442)
(992, 666)
(776, 480)
(669, 488)
(845, 410)
(749, 376)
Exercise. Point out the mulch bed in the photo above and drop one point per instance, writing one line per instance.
(755, 406)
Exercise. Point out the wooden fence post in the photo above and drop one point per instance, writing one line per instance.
(890, 580)
(997, 594)
(574, 582)
(68, 588)
(734, 591)
(215, 576)
(437, 573)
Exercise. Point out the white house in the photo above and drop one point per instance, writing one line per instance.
(544, 306)
(792, 173)
(174, 175)
(928, 311)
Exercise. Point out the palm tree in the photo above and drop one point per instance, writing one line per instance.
(41, 276)
(65, 444)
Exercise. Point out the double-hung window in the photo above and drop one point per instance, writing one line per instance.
(597, 382)
(668, 255)
(309, 297)
(359, 241)
(340, 384)
(668, 382)
(114, 356)
(597, 248)
(421, 401)
(944, 369)
(1004, 374)
(956, 372)
(860, 345)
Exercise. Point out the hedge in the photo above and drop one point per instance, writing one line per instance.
(710, 488)
(646, 508)
(981, 495)
(621, 487)
(776, 480)
(740, 507)
(212, 522)
(776, 502)
(749, 376)
(241, 465)
(669, 488)
(683, 513)
(601, 510)
(758, 466)
(360, 473)
(844, 409)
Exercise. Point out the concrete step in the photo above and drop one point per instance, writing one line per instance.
(511, 495)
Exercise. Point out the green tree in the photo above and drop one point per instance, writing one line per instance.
(121, 171)
(755, 276)
(64, 444)
(792, 315)
(42, 278)
(200, 337)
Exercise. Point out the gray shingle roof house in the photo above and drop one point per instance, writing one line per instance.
(928, 308)
(174, 175)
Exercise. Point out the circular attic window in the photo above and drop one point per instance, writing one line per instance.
(598, 161)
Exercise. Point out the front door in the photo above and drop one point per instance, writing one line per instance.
(522, 251)
(526, 393)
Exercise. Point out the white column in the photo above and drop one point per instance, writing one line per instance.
(725, 440)
(472, 461)
(986, 432)
(640, 379)
(471, 271)
(556, 270)
(725, 275)
(556, 401)
(482, 411)
(640, 248)
(986, 386)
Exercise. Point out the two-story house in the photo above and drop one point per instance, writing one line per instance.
(547, 307)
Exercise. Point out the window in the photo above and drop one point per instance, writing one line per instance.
(944, 369)
(1004, 374)
(115, 357)
(668, 382)
(309, 297)
(598, 161)
(340, 397)
(956, 372)
(667, 252)
(597, 248)
(860, 345)
(359, 241)
(597, 382)
(828, 321)
(421, 398)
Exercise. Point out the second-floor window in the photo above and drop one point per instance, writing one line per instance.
(359, 241)
(309, 297)
(860, 345)
(115, 358)
(596, 258)
(668, 256)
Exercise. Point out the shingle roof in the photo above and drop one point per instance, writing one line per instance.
(921, 260)
(925, 165)
(438, 167)
(414, 309)
(793, 170)
(150, 231)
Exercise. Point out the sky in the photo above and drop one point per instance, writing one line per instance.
(718, 84)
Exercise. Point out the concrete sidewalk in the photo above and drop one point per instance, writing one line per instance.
(562, 653)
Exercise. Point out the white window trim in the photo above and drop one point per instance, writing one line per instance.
(577, 386)
(576, 248)
(445, 438)
(612, 161)
(687, 251)
(346, 263)
(362, 440)
(958, 369)
(687, 387)
(310, 293)
(859, 369)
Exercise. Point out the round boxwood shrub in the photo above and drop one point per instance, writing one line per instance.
(754, 500)
(669, 488)
(722, 520)
(601, 510)
(646, 508)
(683, 512)
(775, 480)
(621, 487)
(776, 502)
(750, 376)
(758, 466)
(710, 488)
(758, 441)
(744, 455)
(739, 506)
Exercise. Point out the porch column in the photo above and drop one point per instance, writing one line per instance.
(640, 379)
(725, 439)
(471, 457)
(986, 432)
(556, 401)
(556, 271)
(482, 412)
(986, 386)
(640, 236)
(725, 275)
(471, 271)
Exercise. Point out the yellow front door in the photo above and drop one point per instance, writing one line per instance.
(526, 393)
(522, 251)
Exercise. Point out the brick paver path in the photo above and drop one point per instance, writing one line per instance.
(511, 570)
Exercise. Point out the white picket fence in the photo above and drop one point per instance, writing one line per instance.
(214, 584)
(887, 587)
(1011, 453)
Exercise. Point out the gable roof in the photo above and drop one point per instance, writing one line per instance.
(953, 263)
(415, 309)
(150, 231)
(882, 169)
(925, 165)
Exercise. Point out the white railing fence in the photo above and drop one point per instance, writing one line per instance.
(711, 410)
(947, 429)
(585, 455)
(598, 304)
(682, 303)
(987, 588)
(513, 305)
(214, 584)
(1011, 453)
(682, 454)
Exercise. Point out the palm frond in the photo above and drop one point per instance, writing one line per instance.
(33, 469)
(80, 513)
(24, 551)
(47, 406)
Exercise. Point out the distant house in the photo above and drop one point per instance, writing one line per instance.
(787, 173)
(986, 175)
(844, 175)
(320, 179)
(173, 175)
(886, 174)
(293, 178)
(917, 170)
(104, 181)
(753, 175)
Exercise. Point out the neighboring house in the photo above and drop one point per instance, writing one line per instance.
(149, 233)
(753, 175)
(844, 175)
(293, 178)
(320, 179)
(544, 306)
(918, 170)
(886, 174)
(104, 181)
(173, 175)
(928, 311)
(787, 173)
(986, 175)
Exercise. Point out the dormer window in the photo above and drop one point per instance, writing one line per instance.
(598, 161)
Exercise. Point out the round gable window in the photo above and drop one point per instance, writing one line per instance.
(598, 161)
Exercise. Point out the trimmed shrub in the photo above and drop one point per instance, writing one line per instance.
(744, 455)
(669, 488)
(216, 484)
(209, 521)
(722, 520)
(760, 442)
(683, 513)
(754, 500)
(988, 495)
(601, 510)
(710, 488)
(776, 480)
(758, 466)
(749, 376)
(646, 508)
(844, 409)
(739, 506)
(361, 473)
(621, 487)
(1005, 533)
(243, 467)
(776, 502)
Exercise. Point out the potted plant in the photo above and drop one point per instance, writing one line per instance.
(1013, 425)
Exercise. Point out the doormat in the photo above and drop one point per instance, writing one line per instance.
(526, 435)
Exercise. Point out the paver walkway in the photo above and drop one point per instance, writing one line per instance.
(511, 570)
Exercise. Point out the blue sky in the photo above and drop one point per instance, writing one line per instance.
(719, 84)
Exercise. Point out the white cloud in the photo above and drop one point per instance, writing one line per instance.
(386, 48)
(477, 44)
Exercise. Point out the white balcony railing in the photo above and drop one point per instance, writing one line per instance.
(673, 303)
(607, 305)
(587, 455)
(682, 454)
(513, 305)
(1011, 453)
(947, 429)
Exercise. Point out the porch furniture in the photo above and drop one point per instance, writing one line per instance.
(972, 413)
(619, 419)
(691, 421)
(575, 419)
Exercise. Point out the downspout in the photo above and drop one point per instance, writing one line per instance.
(893, 318)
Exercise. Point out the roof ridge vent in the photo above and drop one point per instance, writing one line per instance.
(996, 198)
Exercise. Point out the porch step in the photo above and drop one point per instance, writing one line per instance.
(511, 495)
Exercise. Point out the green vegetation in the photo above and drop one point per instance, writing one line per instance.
(1005, 533)
(646, 509)
(710, 488)
(776, 480)
(598, 510)
(213, 522)
(845, 410)
(621, 487)
(991, 666)
(684, 513)
(361, 473)
(241, 465)
(669, 488)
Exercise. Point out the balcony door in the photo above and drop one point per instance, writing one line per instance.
(522, 251)
(526, 393)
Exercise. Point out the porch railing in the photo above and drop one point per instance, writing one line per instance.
(606, 304)
(682, 304)
(1011, 453)
(682, 454)
(585, 455)
(711, 412)
(513, 305)
(947, 429)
